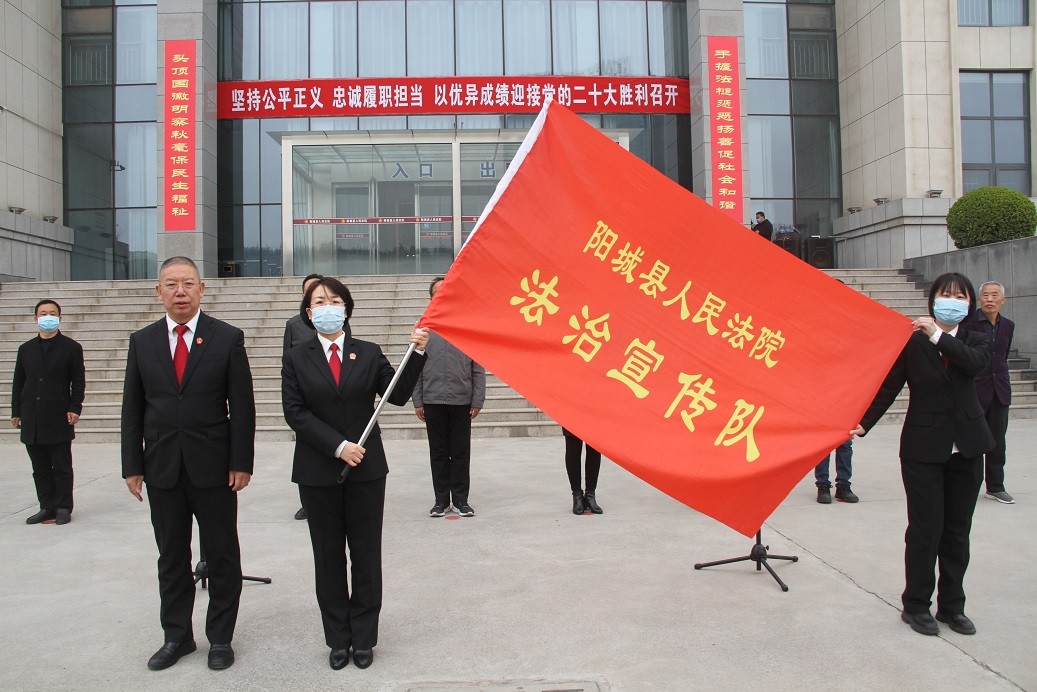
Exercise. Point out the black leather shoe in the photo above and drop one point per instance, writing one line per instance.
(170, 653)
(221, 657)
(578, 506)
(41, 516)
(363, 657)
(338, 659)
(301, 514)
(923, 623)
(959, 622)
(588, 500)
(63, 516)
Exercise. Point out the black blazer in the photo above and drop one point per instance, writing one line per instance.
(994, 381)
(47, 388)
(943, 409)
(208, 421)
(296, 332)
(323, 415)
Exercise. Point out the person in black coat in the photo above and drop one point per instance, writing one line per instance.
(46, 402)
(328, 388)
(994, 384)
(296, 332)
(188, 431)
(762, 226)
(941, 449)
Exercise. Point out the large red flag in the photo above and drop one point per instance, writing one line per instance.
(693, 353)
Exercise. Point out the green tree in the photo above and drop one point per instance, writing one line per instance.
(990, 215)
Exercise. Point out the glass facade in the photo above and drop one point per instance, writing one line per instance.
(995, 130)
(109, 71)
(414, 38)
(793, 114)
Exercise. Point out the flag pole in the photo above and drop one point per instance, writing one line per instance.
(378, 408)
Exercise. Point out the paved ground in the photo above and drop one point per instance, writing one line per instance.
(526, 594)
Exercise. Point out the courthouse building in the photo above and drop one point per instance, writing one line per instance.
(348, 137)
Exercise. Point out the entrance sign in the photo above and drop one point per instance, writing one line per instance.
(179, 184)
(695, 354)
(449, 95)
(725, 125)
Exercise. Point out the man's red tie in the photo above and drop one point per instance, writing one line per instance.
(335, 363)
(180, 353)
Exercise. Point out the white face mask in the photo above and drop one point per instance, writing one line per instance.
(328, 319)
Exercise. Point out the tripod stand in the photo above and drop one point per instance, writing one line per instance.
(201, 572)
(758, 554)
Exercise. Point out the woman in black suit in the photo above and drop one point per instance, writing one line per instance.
(328, 387)
(941, 451)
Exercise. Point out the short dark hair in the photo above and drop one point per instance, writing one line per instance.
(46, 301)
(952, 281)
(433, 284)
(311, 276)
(333, 286)
(760, 213)
(180, 259)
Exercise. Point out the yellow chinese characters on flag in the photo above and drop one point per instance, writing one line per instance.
(693, 353)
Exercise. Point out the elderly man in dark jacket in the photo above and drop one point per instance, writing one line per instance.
(46, 402)
(449, 394)
(993, 385)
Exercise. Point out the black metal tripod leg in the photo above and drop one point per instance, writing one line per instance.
(773, 574)
(700, 565)
(261, 580)
(791, 558)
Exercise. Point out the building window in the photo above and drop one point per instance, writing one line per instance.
(995, 126)
(991, 12)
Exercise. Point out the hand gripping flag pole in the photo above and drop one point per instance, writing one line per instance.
(379, 407)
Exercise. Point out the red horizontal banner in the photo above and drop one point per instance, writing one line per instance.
(449, 95)
(380, 219)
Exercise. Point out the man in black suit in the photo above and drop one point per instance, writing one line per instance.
(296, 332)
(763, 226)
(46, 402)
(941, 446)
(993, 384)
(188, 430)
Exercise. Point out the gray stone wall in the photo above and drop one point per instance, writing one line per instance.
(33, 250)
(1012, 263)
(30, 142)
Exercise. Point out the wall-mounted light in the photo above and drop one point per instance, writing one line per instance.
(881, 200)
(16, 210)
(932, 194)
(853, 210)
(116, 166)
(50, 219)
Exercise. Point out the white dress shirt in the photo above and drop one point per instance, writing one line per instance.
(192, 327)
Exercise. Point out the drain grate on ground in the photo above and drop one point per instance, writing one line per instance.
(505, 686)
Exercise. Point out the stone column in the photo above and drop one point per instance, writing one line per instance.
(713, 18)
(180, 20)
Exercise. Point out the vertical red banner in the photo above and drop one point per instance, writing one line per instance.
(179, 188)
(725, 125)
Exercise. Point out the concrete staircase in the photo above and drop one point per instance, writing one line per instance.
(102, 314)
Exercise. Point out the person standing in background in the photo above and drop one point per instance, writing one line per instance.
(296, 332)
(46, 402)
(993, 384)
(763, 226)
(447, 397)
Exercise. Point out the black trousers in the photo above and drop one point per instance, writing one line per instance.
(341, 516)
(449, 430)
(997, 420)
(52, 474)
(941, 499)
(216, 510)
(573, 452)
